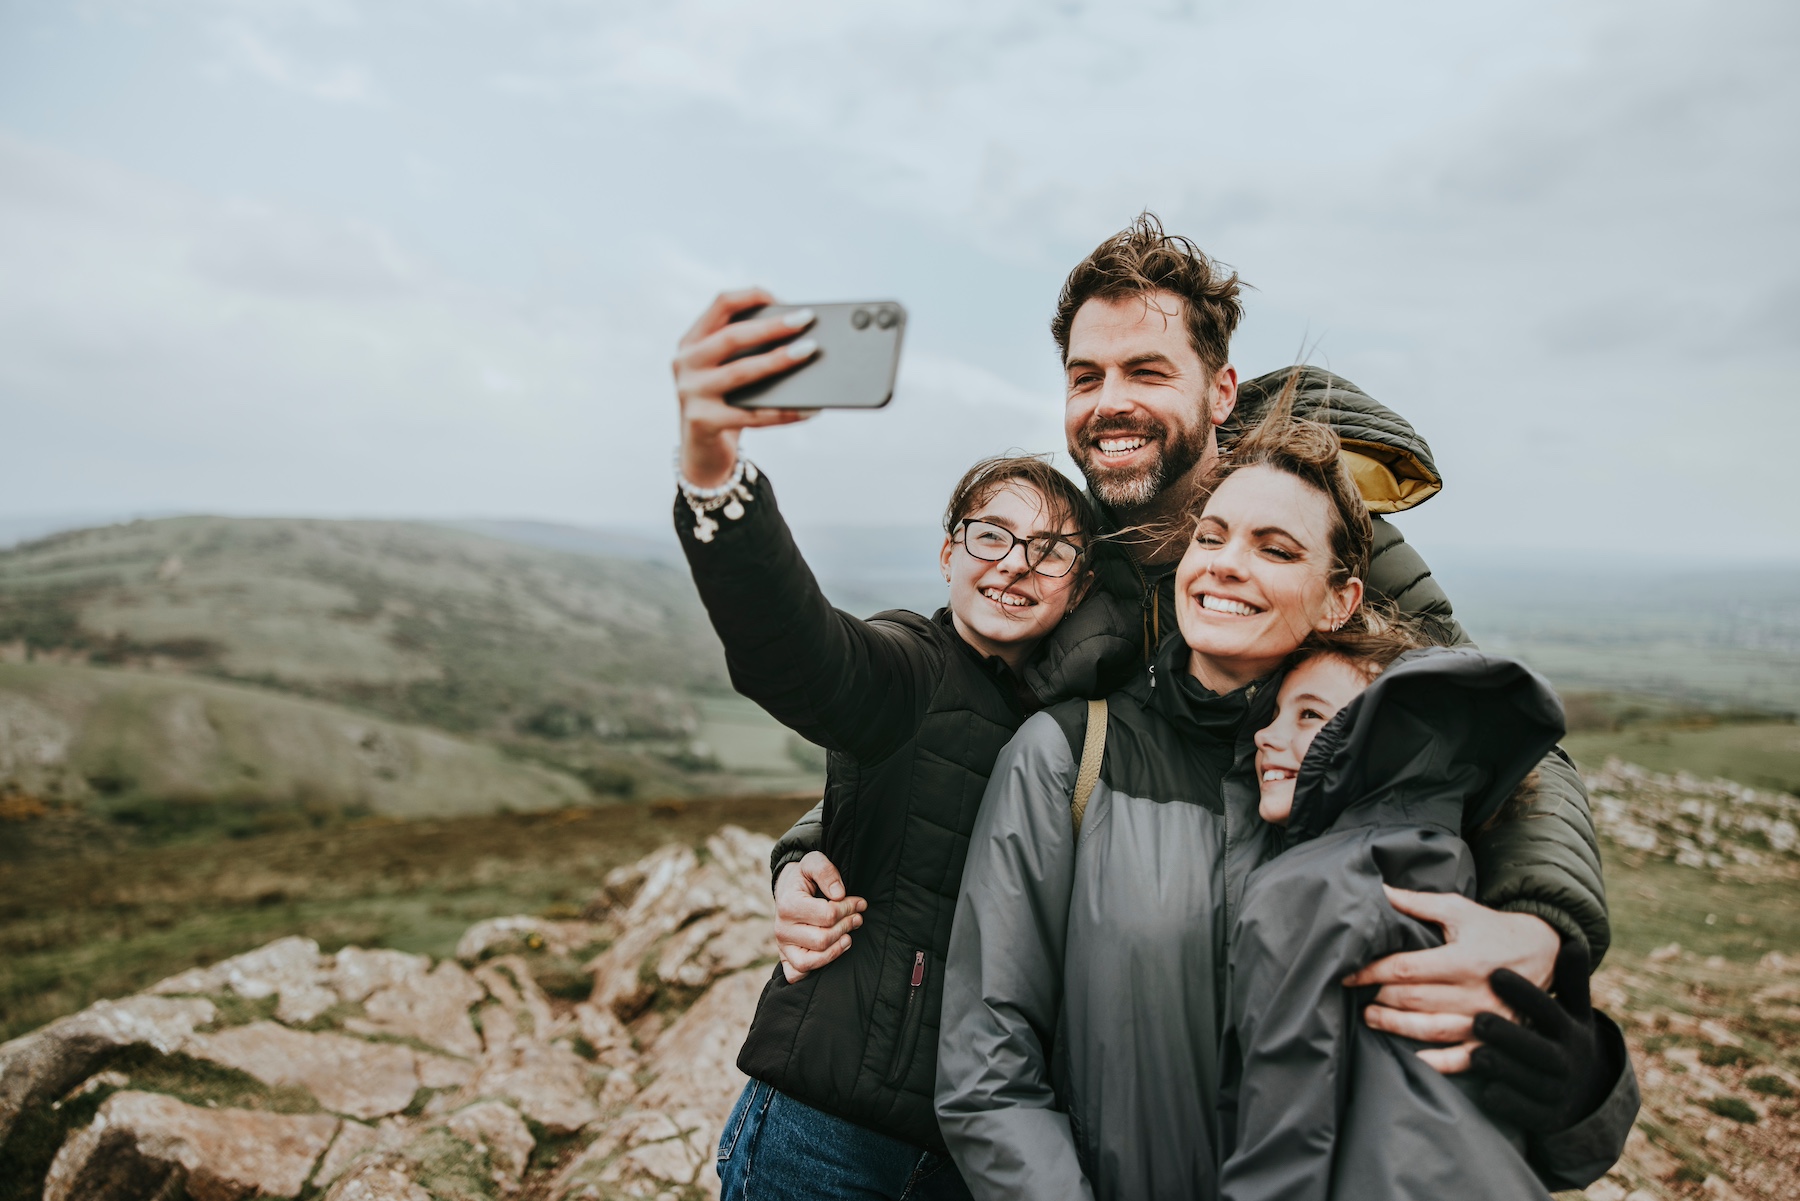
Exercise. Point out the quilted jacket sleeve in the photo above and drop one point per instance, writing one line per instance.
(1546, 861)
(849, 685)
(1398, 573)
(807, 834)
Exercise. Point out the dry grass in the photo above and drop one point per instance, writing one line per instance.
(74, 929)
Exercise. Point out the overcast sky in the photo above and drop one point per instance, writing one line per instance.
(431, 259)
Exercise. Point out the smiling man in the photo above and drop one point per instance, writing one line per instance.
(1144, 324)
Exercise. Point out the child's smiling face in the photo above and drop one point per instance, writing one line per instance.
(1312, 695)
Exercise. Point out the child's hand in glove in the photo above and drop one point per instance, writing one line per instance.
(1549, 1070)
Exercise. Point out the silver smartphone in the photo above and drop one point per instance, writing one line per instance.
(859, 356)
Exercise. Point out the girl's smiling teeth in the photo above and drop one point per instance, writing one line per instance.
(1011, 600)
(1220, 604)
(1272, 774)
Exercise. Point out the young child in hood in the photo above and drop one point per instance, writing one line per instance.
(1379, 755)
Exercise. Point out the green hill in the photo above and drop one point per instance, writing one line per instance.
(172, 755)
(417, 622)
(173, 655)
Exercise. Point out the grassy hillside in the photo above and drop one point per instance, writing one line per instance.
(420, 623)
(169, 755)
(602, 672)
(1761, 754)
(73, 930)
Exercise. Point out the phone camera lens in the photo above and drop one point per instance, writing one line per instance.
(887, 319)
(860, 319)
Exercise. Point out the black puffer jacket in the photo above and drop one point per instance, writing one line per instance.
(912, 719)
(1316, 1104)
(1546, 862)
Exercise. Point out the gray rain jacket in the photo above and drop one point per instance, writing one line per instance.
(1084, 998)
(1318, 1105)
(1078, 1047)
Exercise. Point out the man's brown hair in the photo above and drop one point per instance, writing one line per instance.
(1141, 259)
(1062, 498)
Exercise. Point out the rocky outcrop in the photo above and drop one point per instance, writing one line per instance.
(140, 1144)
(369, 1075)
(43, 1065)
(1717, 825)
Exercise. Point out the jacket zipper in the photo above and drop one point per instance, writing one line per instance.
(1226, 814)
(908, 1041)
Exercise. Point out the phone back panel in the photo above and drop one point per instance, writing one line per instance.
(859, 356)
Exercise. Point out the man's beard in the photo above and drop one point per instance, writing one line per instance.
(1133, 487)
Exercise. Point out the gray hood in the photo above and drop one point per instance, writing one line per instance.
(1443, 736)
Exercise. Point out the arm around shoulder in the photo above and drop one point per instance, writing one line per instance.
(805, 835)
(1003, 984)
(1545, 860)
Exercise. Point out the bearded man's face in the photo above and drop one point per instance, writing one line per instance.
(1141, 404)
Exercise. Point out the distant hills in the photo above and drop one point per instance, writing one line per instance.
(416, 622)
(173, 753)
(557, 676)
(198, 666)
(1715, 635)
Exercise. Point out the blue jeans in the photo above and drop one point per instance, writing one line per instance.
(775, 1148)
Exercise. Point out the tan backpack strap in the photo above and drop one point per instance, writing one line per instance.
(1093, 749)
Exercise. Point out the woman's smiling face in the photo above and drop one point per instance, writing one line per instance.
(1256, 579)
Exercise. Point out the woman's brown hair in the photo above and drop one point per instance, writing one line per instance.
(1310, 452)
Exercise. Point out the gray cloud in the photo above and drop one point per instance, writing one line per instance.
(432, 259)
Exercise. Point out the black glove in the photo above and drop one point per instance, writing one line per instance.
(1550, 1070)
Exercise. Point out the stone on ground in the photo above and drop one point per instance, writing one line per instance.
(350, 1076)
(38, 1068)
(146, 1145)
(434, 1080)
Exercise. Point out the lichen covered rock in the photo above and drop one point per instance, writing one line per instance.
(375, 1075)
(147, 1145)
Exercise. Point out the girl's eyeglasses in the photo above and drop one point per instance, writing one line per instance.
(1050, 555)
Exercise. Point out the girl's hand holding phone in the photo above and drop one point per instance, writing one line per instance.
(706, 370)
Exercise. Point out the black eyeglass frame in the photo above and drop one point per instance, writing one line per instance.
(960, 535)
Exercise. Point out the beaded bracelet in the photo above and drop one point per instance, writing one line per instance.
(728, 497)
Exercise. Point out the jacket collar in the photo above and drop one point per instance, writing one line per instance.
(1171, 690)
(1011, 685)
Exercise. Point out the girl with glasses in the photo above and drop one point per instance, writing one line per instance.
(913, 711)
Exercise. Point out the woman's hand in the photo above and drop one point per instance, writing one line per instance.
(709, 426)
(813, 917)
(1434, 995)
